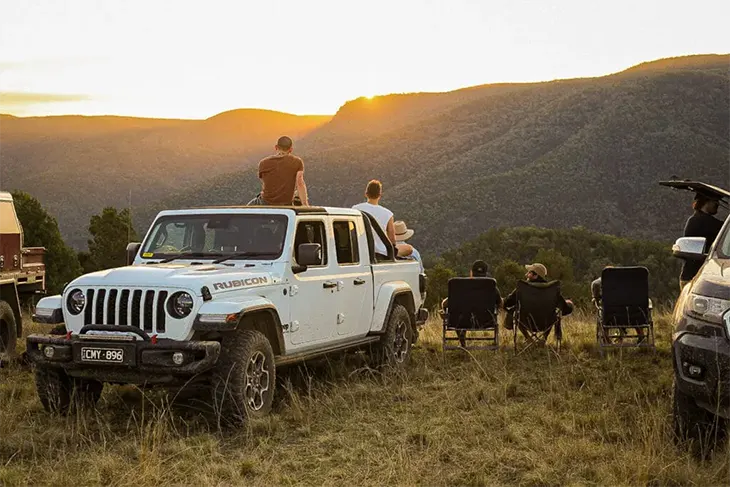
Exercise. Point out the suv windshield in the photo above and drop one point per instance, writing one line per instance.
(250, 237)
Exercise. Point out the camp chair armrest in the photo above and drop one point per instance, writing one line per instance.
(651, 305)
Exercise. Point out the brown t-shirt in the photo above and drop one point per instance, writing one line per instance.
(278, 175)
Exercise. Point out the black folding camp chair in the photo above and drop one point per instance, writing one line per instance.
(471, 316)
(624, 306)
(537, 313)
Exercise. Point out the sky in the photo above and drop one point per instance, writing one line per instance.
(193, 59)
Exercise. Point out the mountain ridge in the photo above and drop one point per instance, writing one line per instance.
(484, 143)
(578, 145)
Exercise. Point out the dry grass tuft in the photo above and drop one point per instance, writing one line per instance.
(454, 418)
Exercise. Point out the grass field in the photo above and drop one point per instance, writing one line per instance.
(488, 418)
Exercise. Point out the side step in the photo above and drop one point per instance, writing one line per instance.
(302, 356)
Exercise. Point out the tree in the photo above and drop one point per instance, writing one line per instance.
(507, 273)
(438, 284)
(111, 231)
(41, 230)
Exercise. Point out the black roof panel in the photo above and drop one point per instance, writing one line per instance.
(296, 209)
(698, 187)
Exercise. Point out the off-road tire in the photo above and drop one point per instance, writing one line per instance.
(695, 424)
(8, 332)
(244, 381)
(57, 391)
(396, 343)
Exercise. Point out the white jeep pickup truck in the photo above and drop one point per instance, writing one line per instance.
(222, 296)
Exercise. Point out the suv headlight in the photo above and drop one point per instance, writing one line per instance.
(706, 308)
(180, 304)
(75, 301)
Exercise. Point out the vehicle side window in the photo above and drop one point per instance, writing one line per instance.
(311, 232)
(346, 242)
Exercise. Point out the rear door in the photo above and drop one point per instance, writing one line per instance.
(355, 302)
(314, 294)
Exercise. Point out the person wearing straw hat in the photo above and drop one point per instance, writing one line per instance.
(536, 275)
(403, 233)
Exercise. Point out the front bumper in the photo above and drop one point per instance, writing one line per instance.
(702, 370)
(144, 362)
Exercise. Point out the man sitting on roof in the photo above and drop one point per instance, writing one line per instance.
(281, 175)
(536, 276)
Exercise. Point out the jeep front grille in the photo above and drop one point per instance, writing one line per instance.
(143, 309)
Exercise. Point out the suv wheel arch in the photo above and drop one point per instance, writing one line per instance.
(265, 319)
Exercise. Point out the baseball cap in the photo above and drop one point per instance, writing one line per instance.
(479, 268)
(538, 269)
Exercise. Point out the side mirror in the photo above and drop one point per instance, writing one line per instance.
(689, 248)
(132, 249)
(309, 254)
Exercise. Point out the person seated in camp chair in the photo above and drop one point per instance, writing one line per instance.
(536, 276)
(597, 297)
(478, 269)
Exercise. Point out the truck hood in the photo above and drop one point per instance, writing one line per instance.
(218, 278)
(714, 279)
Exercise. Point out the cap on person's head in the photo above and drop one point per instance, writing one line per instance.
(284, 142)
(479, 268)
(538, 269)
(402, 232)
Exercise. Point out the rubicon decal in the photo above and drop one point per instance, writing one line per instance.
(251, 281)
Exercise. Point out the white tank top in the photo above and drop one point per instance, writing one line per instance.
(382, 215)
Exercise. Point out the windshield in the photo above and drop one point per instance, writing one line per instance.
(250, 237)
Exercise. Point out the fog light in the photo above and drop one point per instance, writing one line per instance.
(49, 351)
(694, 371)
(178, 358)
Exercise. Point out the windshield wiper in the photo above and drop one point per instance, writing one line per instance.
(189, 254)
(239, 255)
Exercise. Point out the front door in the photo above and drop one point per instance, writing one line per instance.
(355, 303)
(314, 292)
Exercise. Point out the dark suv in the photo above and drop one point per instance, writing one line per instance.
(701, 338)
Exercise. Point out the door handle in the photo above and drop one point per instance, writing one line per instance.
(359, 282)
(329, 284)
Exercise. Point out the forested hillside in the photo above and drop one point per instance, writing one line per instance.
(575, 257)
(583, 152)
(586, 152)
(77, 165)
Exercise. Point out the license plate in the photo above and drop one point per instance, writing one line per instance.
(108, 355)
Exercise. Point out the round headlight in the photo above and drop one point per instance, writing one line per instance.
(76, 301)
(180, 305)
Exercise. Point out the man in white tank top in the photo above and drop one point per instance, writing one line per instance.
(383, 216)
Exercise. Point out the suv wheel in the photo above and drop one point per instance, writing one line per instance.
(57, 390)
(394, 347)
(8, 331)
(245, 378)
(694, 423)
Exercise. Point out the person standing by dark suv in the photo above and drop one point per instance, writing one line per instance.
(701, 224)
